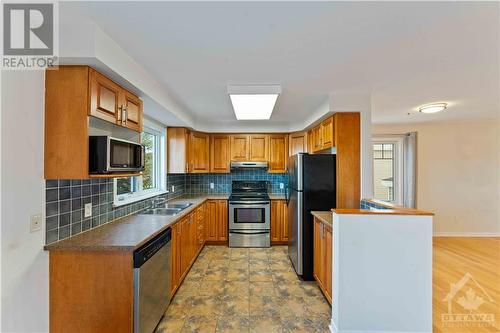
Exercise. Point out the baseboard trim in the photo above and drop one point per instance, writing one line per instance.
(466, 234)
(333, 329)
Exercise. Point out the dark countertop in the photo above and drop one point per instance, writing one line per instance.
(128, 233)
(323, 216)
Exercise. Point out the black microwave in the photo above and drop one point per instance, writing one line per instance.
(108, 155)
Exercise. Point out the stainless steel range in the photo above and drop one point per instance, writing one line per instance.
(249, 214)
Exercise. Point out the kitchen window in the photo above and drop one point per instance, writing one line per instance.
(152, 181)
(388, 169)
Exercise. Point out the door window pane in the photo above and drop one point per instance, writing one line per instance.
(383, 171)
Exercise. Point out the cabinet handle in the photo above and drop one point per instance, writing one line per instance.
(125, 111)
(120, 114)
(321, 231)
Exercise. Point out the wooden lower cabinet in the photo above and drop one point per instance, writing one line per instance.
(216, 216)
(279, 222)
(188, 239)
(322, 260)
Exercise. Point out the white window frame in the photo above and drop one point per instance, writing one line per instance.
(159, 171)
(398, 163)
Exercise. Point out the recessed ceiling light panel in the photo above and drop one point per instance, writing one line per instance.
(432, 108)
(253, 102)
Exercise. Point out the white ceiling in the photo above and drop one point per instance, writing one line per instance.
(405, 54)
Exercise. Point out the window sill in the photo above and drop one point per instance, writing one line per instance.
(136, 198)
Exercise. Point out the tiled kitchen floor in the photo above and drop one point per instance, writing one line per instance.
(245, 290)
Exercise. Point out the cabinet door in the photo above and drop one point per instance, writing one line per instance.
(176, 252)
(284, 221)
(222, 220)
(105, 98)
(211, 220)
(275, 220)
(327, 133)
(310, 141)
(193, 238)
(258, 147)
(317, 260)
(278, 153)
(298, 143)
(199, 150)
(239, 147)
(132, 108)
(177, 150)
(327, 240)
(317, 138)
(220, 153)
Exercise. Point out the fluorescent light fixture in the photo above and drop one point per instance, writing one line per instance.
(432, 108)
(253, 102)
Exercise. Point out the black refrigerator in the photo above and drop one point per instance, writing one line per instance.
(311, 186)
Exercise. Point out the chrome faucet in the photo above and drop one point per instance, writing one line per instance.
(156, 202)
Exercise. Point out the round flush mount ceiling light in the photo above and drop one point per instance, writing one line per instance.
(432, 108)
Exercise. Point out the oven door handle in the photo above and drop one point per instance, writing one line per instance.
(249, 202)
(249, 233)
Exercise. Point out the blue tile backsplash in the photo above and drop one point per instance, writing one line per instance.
(200, 183)
(66, 199)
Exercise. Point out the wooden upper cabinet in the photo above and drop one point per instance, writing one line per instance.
(310, 141)
(278, 153)
(177, 150)
(199, 152)
(327, 140)
(297, 143)
(132, 110)
(105, 98)
(112, 103)
(259, 145)
(316, 133)
(239, 147)
(220, 153)
(72, 94)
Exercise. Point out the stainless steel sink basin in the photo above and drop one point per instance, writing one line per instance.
(178, 206)
(167, 209)
(162, 211)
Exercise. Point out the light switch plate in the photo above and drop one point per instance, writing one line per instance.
(212, 186)
(88, 210)
(282, 186)
(173, 188)
(35, 222)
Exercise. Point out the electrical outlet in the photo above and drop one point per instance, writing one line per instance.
(282, 186)
(212, 186)
(173, 188)
(35, 222)
(88, 210)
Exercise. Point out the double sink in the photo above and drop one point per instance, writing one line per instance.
(167, 209)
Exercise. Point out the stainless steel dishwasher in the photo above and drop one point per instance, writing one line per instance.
(152, 280)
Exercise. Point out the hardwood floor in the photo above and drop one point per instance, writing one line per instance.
(477, 293)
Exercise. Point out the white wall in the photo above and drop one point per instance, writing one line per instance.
(24, 270)
(457, 174)
(382, 273)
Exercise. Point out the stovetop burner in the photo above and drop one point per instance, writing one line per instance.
(255, 190)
